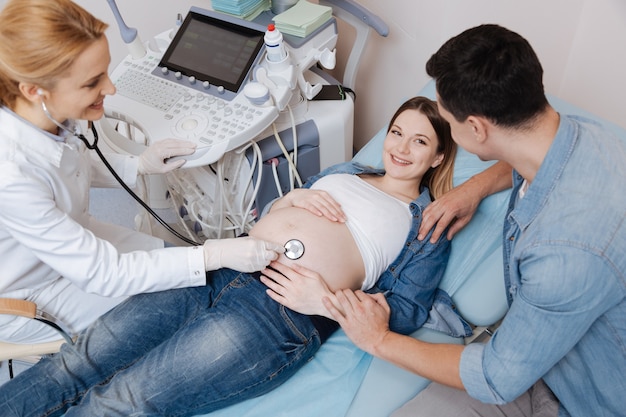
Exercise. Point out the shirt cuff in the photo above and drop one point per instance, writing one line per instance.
(131, 170)
(473, 376)
(195, 261)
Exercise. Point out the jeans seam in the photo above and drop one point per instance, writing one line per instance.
(270, 377)
(305, 346)
(239, 281)
(63, 404)
(81, 394)
(292, 326)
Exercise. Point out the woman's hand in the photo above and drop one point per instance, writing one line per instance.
(317, 202)
(297, 288)
(363, 317)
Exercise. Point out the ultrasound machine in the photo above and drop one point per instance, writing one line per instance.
(261, 127)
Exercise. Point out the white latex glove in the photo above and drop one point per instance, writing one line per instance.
(154, 160)
(244, 254)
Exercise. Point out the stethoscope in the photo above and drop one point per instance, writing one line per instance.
(94, 146)
(294, 249)
(76, 132)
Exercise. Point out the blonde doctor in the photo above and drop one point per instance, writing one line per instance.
(53, 71)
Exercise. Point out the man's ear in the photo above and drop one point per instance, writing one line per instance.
(479, 126)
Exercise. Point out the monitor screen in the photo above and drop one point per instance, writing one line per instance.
(213, 50)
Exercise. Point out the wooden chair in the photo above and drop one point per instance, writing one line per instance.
(28, 309)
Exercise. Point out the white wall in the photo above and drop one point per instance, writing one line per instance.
(581, 43)
(149, 17)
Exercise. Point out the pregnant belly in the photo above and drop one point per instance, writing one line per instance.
(329, 248)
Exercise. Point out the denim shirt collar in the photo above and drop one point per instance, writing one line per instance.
(421, 201)
(527, 209)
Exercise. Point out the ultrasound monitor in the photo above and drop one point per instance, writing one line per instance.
(213, 49)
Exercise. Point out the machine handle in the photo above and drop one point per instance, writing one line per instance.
(362, 20)
(364, 14)
(129, 35)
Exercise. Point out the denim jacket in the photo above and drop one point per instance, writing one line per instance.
(565, 264)
(410, 283)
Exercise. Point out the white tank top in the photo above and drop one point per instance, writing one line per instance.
(379, 222)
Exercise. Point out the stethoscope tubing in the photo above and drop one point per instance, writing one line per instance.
(94, 147)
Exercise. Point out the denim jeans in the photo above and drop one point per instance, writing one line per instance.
(173, 353)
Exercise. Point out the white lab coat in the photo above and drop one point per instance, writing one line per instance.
(54, 252)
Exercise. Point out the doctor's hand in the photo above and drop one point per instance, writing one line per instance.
(155, 159)
(363, 317)
(244, 254)
(297, 288)
(317, 202)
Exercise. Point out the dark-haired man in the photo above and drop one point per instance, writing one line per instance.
(560, 348)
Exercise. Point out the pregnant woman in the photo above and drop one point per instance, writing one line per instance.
(195, 350)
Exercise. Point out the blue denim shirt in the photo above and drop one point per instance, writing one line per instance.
(565, 260)
(410, 283)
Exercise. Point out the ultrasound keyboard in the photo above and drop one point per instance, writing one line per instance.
(162, 109)
(148, 90)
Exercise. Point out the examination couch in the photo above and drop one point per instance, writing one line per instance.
(342, 380)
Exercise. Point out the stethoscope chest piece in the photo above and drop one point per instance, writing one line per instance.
(294, 249)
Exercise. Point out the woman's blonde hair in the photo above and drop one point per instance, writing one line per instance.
(39, 41)
(438, 179)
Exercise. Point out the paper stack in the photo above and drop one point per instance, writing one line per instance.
(302, 19)
(245, 9)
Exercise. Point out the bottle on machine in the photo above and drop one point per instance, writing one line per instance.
(274, 45)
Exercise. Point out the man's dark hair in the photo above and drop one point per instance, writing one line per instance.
(489, 71)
